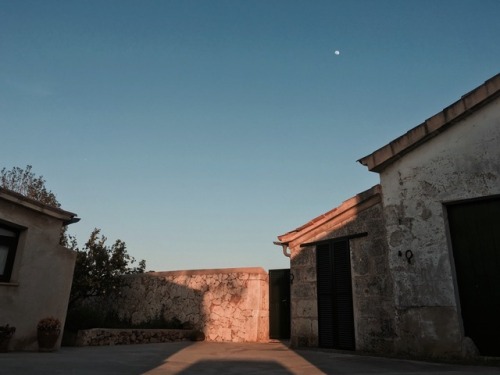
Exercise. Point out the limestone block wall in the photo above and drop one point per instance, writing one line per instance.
(463, 163)
(371, 281)
(226, 304)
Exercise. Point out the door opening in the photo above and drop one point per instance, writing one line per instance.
(475, 237)
(335, 308)
(279, 304)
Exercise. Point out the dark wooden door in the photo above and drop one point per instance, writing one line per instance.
(335, 310)
(475, 237)
(279, 304)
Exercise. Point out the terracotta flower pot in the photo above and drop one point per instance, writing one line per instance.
(47, 340)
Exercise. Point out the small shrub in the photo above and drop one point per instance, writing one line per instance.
(81, 318)
(49, 324)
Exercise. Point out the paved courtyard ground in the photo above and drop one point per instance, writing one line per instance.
(217, 358)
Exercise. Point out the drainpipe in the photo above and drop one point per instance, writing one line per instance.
(284, 245)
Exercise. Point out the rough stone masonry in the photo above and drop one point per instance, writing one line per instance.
(228, 305)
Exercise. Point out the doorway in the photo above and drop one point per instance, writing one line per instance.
(475, 237)
(279, 304)
(335, 308)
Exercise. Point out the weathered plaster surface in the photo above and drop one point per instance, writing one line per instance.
(226, 304)
(41, 277)
(461, 163)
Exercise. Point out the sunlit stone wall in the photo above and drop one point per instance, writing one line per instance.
(226, 304)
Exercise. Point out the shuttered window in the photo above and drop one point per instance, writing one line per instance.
(335, 309)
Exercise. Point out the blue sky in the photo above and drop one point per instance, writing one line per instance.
(198, 131)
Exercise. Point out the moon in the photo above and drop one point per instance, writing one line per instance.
(337, 52)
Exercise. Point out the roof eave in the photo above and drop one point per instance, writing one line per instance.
(347, 205)
(378, 160)
(65, 216)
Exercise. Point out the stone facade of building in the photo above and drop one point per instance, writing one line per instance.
(406, 295)
(462, 164)
(371, 282)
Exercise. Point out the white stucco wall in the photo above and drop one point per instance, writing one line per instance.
(461, 163)
(41, 277)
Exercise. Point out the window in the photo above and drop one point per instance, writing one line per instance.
(8, 245)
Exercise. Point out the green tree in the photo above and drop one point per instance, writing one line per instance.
(25, 182)
(100, 268)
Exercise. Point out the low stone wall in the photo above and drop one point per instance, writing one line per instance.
(102, 336)
(225, 304)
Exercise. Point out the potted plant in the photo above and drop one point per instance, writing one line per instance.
(48, 331)
(6, 332)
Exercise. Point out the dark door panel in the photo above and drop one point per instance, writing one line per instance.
(279, 304)
(335, 309)
(475, 236)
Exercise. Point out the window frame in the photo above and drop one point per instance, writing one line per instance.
(11, 243)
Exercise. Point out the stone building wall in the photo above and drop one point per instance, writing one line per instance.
(226, 304)
(463, 163)
(371, 281)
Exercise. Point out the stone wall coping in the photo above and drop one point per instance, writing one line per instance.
(215, 271)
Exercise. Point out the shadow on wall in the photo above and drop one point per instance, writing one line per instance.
(148, 301)
(225, 304)
(345, 255)
(135, 306)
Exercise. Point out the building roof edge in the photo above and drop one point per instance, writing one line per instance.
(378, 160)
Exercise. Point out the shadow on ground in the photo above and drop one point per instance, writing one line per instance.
(352, 363)
(186, 358)
(98, 360)
(235, 367)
